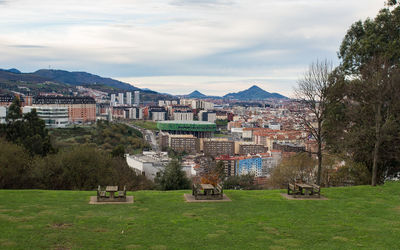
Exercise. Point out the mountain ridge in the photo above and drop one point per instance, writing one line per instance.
(254, 93)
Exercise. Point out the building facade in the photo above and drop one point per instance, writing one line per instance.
(80, 109)
(183, 115)
(217, 147)
(136, 100)
(129, 98)
(54, 117)
(184, 143)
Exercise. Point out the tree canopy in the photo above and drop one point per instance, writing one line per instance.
(372, 38)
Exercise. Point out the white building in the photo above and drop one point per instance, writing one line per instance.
(129, 98)
(3, 114)
(137, 98)
(183, 115)
(206, 105)
(269, 162)
(158, 116)
(54, 117)
(150, 164)
(207, 116)
(121, 98)
(136, 113)
(274, 126)
(113, 100)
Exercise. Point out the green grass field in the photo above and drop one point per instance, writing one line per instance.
(353, 217)
(150, 125)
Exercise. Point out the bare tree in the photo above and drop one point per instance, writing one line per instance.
(312, 91)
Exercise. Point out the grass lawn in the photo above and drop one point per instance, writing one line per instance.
(150, 125)
(353, 217)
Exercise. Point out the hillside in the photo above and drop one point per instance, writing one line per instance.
(253, 93)
(352, 218)
(64, 82)
(196, 94)
(82, 78)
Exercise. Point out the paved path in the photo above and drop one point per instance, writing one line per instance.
(148, 135)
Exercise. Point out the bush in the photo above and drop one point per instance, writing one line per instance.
(14, 166)
(240, 182)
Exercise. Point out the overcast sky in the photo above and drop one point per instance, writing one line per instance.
(177, 46)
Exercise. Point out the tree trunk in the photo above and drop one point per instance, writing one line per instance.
(377, 144)
(319, 154)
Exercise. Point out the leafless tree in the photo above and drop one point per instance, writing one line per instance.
(312, 91)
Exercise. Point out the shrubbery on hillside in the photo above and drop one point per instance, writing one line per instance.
(103, 134)
(78, 167)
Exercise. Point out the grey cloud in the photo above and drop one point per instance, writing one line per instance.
(28, 46)
(201, 2)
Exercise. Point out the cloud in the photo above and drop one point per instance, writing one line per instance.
(198, 3)
(28, 46)
(152, 39)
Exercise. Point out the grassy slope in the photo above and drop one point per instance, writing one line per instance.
(356, 217)
(145, 124)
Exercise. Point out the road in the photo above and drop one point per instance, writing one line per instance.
(148, 135)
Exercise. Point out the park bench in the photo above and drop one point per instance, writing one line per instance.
(122, 193)
(207, 192)
(218, 190)
(316, 190)
(111, 193)
(293, 189)
(101, 193)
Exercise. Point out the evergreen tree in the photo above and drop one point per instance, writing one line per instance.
(173, 178)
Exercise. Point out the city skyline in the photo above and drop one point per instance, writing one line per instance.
(177, 46)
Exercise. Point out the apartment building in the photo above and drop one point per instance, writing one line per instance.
(80, 109)
(184, 143)
(217, 147)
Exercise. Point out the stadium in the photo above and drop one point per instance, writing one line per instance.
(199, 129)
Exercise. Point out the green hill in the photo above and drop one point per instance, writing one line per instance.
(352, 218)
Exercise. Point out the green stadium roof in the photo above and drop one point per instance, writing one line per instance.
(187, 126)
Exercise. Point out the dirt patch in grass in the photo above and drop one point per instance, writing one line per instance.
(340, 238)
(270, 230)
(7, 243)
(289, 243)
(100, 230)
(15, 218)
(25, 227)
(397, 209)
(190, 215)
(212, 235)
(60, 225)
(47, 212)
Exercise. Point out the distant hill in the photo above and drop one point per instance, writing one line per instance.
(254, 93)
(16, 71)
(63, 82)
(82, 78)
(16, 75)
(196, 94)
